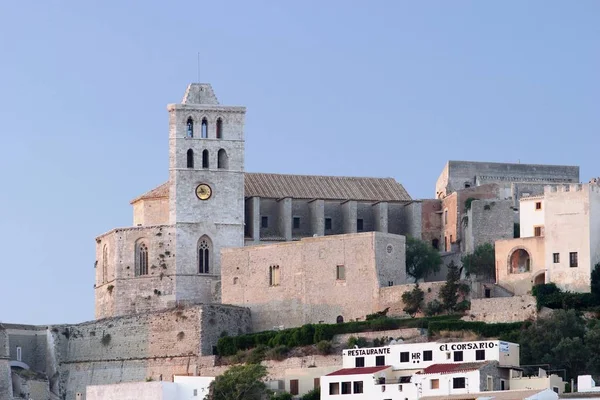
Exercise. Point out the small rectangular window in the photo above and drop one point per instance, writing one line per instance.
(556, 258)
(379, 361)
(340, 273)
(359, 225)
(359, 362)
(328, 224)
(19, 354)
(334, 388)
(296, 222)
(293, 386)
(538, 205)
(358, 387)
(195, 392)
(490, 384)
(404, 356)
(573, 259)
(346, 387)
(458, 356)
(458, 383)
(428, 355)
(480, 354)
(264, 222)
(435, 384)
(537, 231)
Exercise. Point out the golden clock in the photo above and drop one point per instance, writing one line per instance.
(203, 191)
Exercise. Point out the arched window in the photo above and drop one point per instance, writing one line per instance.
(205, 159)
(105, 263)
(222, 160)
(519, 262)
(204, 128)
(219, 128)
(190, 127)
(190, 158)
(274, 275)
(339, 319)
(204, 257)
(141, 259)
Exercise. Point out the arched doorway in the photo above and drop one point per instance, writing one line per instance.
(339, 319)
(540, 279)
(519, 262)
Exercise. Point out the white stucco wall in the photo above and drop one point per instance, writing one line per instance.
(568, 218)
(529, 216)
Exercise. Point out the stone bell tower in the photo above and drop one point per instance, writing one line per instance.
(206, 188)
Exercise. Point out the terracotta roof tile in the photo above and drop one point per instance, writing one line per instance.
(451, 368)
(277, 186)
(323, 187)
(358, 371)
(161, 191)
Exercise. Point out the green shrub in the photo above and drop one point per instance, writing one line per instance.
(229, 346)
(499, 330)
(256, 355)
(549, 295)
(281, 396)
(434, 308)
(278, 353)
(324, 347)
(356, 341)
(314, 394)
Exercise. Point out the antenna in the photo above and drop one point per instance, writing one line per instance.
(198, 68)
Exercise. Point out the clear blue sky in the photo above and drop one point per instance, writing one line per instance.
(371, 88)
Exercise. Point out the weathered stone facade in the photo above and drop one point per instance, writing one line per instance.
(6, 390)
(132, 348)
(487, 221)
(309, 285)
(458, 175)
(504, 309)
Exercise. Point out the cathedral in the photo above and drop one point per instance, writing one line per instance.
(172, 253)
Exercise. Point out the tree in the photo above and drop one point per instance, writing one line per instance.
(413, 300)
(451, 291)
(281, 396)
(240, 382)
(595, 285)
(314, 394)
(482, 262)
(421, 259)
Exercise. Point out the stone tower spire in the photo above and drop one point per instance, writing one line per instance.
(206, 193)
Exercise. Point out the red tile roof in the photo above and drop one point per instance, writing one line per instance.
(359, 371)
(451, 368)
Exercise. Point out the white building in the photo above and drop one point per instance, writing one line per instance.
(559, 243)
(414, 371)
(182, 388)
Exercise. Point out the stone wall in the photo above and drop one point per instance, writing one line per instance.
(505, 309)
(392, 296)
(150, 345)
(457, 175)
(6, 390)
(431, 222)
(118, 290)
(412, 335)
(486, 222)
(151, 211)
(309, 290)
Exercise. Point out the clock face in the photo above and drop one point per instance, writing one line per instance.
(203, 191)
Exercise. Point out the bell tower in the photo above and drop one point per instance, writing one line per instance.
(206, 188)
